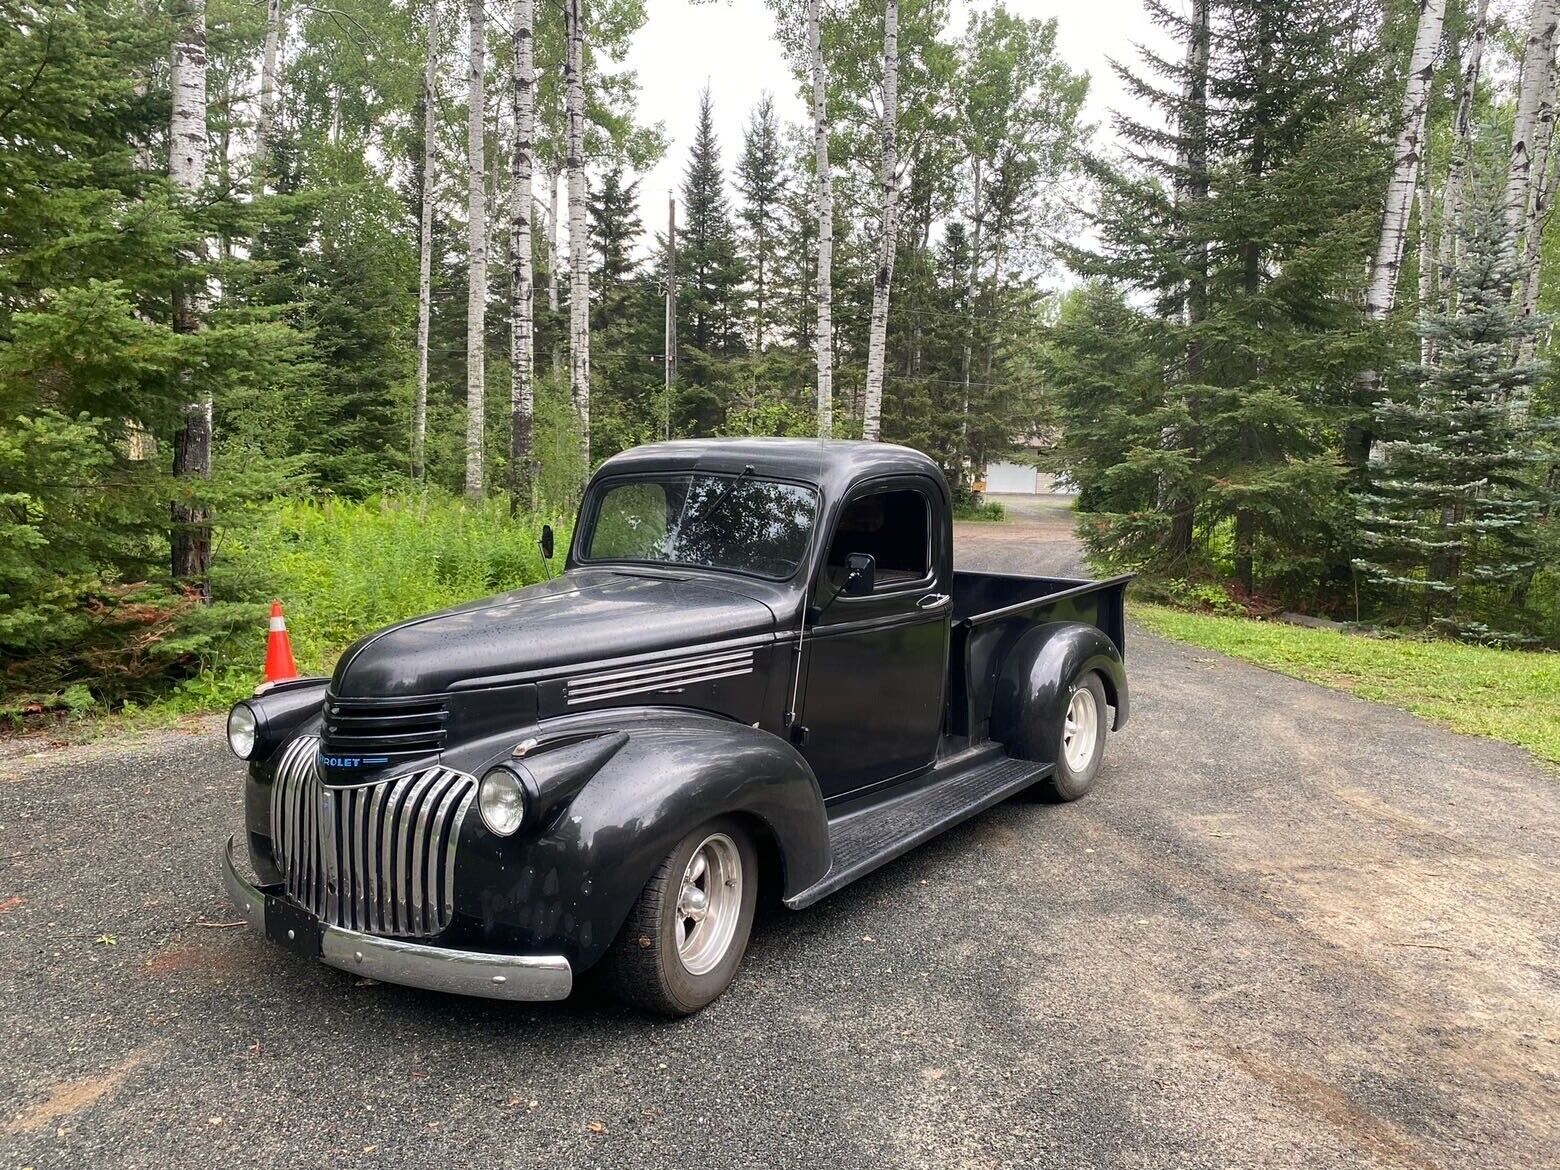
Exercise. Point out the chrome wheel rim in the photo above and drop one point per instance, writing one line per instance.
(709, 903)
(1080, 729)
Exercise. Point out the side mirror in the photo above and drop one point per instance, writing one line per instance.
(860, 574)
(547, 542)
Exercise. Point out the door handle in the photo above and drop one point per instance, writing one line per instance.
(931, 601)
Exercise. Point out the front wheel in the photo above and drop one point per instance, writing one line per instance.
(685, 937)
(1080, 740)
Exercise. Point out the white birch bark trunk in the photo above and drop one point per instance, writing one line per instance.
(264, 123)
(552, 266)
(1538, 58)
(522, 394)
(430, 82)
(877, 340)
(1381, 292)
(825, 338)
(1462, 133)
(1193, 133)
(1426, 263)
(972, 284)
(1539, 209)
(476, 243)
(579, 250)
(190, 537)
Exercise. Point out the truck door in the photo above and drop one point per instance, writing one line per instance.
(877, 664)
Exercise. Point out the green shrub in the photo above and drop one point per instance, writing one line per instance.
(987, 510)
(1199, 596)
(344, 569)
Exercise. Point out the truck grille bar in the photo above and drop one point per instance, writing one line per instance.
(378, 858)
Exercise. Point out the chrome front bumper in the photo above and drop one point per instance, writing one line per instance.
(514, 977)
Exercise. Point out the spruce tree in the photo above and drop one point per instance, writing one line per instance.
(614, 232)
(710, 278)
(1447, 517)
(761, 181)
(626, 322)
(1242, 222)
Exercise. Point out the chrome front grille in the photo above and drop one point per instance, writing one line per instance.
(660, 676)
(378, 857)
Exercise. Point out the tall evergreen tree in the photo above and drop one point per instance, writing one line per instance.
(1260, 378)
(626, 320)
(710, 275)
(1448, 516)
(761, 182)
(614, 234)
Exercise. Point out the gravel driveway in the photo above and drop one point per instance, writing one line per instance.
(1290, 928)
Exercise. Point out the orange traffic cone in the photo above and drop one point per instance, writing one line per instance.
(279, 662)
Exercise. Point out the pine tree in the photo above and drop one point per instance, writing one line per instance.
(1448, 516)
(614, 234)
(1260, 378)
(761, 182)
(626, 320)
(710, 276)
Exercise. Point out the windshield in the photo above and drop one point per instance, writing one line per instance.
(730, 522)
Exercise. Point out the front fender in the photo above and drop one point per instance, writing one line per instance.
(568, 885)
(1032, 691)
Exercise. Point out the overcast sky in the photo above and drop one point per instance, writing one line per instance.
(730, 44)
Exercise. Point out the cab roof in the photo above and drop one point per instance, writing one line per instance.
(833, 465)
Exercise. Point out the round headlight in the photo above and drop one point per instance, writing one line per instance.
(241, 731)
(501, 800)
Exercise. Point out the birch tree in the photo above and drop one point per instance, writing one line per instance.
(521, 287)
(1381, 291)
(825, 338)
(476, 243)
(1191, 198)
(1387, 260)
(430, 81)
(1462, 137)
(190, 538)
(268, 87)
(579, 245)
(1540, 206)
(888, 181)
(1538, 60)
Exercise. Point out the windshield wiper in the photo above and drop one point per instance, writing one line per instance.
(708, 510)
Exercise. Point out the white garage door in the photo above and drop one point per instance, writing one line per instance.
(1017, 478)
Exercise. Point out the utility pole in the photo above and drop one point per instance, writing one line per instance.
(671, 306)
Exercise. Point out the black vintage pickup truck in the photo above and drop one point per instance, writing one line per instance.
(759, 668)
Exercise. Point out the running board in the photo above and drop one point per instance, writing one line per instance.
(862, 841)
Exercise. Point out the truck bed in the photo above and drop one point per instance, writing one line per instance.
(991, 611)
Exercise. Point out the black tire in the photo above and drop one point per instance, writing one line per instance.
(644, 965)
(1067, 782)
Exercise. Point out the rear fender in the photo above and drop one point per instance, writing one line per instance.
(569, 883)
(1036, 679)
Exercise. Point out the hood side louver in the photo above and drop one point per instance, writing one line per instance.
(658, 677)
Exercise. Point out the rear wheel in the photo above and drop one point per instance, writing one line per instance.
(685, 937)
(1080, 745)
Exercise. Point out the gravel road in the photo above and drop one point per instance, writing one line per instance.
(1289, 929)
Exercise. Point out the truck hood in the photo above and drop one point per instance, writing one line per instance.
(584, 616)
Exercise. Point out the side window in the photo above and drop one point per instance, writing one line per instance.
(894, 527)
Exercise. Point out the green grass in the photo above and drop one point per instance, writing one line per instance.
(1504, 694)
